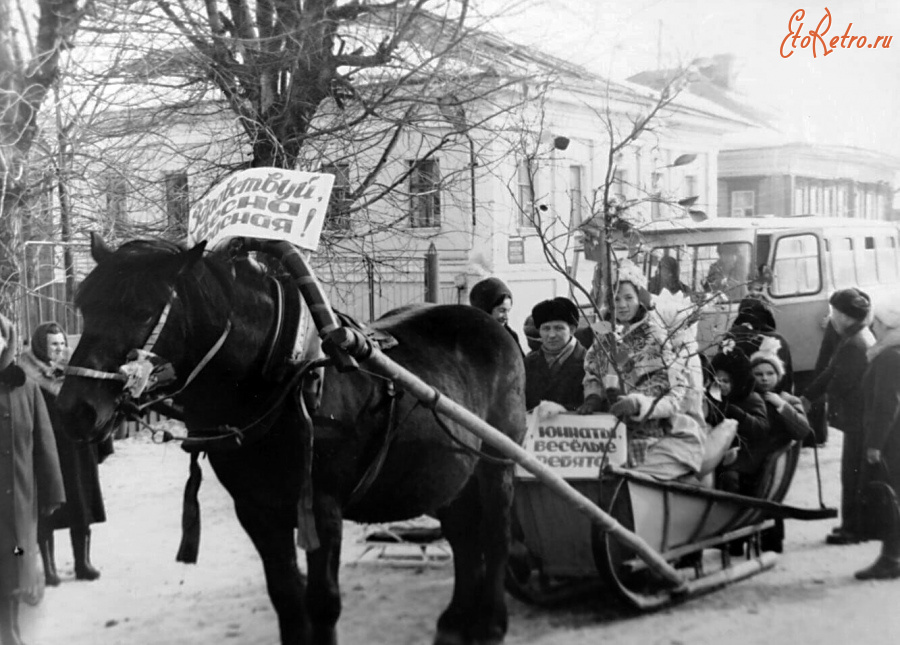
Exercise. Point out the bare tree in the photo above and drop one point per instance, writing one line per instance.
(30, 51)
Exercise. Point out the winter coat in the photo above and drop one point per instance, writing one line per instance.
(659, 380)
(842, 380)
(881, 420)
(78, 461)
(30, 480)
(563, 387)
(754, 436)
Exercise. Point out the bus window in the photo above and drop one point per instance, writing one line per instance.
(796, 266)
(669, 268)
(725, 268)
(843, 265)
(865, 266)
(886, 259)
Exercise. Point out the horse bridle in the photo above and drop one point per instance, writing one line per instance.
(145, 371)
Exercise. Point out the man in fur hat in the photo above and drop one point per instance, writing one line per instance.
(30, 483)
(554, 371)
(841, 382)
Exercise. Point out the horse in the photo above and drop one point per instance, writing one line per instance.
(425, 465)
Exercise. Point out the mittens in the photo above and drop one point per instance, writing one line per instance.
(592, 403)
(625, 407)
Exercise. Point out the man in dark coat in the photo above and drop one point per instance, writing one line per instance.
(30, 484)
(555, 371)
(881, 389)
(841, 382)
(44, 362)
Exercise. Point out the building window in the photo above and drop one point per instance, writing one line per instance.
(526, 178)
(337, 216)
(116, 192)
(178, 202)
(424, 193)
(742, 203)
(620, 184)
(576, 199)
(842, 203)
(690, 186)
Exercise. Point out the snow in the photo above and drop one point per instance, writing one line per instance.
(144, 597)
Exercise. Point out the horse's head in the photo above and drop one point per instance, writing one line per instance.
(148, 295)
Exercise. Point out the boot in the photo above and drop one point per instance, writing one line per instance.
(9, 622)
(81, 548)
(886, 567)
(51, 576)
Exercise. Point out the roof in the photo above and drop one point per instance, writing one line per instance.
(702, 86)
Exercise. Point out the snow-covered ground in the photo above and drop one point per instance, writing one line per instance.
(144, 597)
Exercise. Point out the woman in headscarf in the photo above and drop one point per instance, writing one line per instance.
(554, 371)
(637, 373)
(881, 420)
(841, 382)
(492, 296)
(44, 362)
(30, 484)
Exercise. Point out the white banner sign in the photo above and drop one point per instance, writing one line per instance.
(267, 203)
(575, 445)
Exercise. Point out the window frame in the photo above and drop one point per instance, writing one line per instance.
(773, 288)
(337, 217)
(743, 209)
(177, 199)
(424, 193)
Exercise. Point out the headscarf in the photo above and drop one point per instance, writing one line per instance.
(755, 313)
(39, 339)
(36, 361)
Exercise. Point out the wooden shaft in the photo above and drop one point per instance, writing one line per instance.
(506, 446)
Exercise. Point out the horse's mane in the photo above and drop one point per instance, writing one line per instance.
(137, 271)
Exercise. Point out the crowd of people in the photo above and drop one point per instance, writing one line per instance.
(686, 415)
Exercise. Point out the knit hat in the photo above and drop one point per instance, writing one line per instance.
(852, 302)
(768, 353)
(489, 293)
(558, 308)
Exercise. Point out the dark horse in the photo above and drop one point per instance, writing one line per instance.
(457, 349)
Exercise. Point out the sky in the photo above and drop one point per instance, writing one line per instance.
(849, 97)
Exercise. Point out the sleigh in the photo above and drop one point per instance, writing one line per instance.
(711, 538)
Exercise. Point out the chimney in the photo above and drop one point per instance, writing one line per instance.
(721, 70)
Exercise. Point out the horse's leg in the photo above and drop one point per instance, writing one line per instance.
(495, 484)
(460, 524)
(272, 533)
(323, 594)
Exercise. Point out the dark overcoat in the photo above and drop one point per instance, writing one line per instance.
(881, 389)
(564, 387)
(30, 480)
(78, 461)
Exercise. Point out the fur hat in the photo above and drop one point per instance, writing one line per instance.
(558, 308)
(489, 293)
(852, 302)
(532, 335)
(768, 353)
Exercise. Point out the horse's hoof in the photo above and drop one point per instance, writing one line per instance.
(448, 638)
